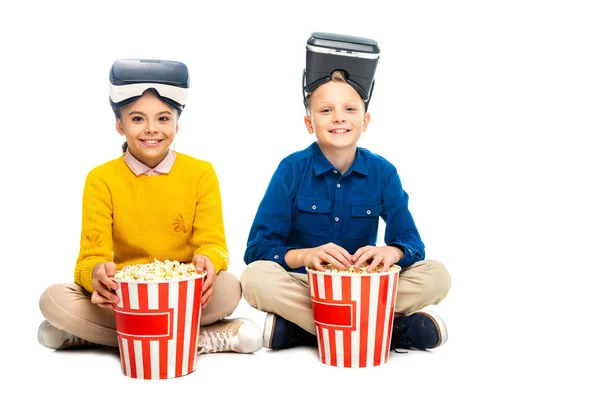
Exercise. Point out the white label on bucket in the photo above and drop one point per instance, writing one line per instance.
(139, 359)
(336, 286)
(155, 359)
(326, 346)
(152, 297)
(134, 304)
(321, 286)
(125, 350)
(339, 338)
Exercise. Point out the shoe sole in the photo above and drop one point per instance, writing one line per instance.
(41, 328)
(268, 330)
(440, 324)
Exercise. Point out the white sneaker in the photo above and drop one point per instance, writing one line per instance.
(239, 335)
(54, 338)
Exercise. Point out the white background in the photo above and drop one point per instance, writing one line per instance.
(489, 110)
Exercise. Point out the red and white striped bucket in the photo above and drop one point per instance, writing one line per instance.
(157, 326)
(353, 316)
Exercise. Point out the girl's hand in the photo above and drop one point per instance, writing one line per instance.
(103, 285)
(329, 253)
(385, 255)
(203, 263)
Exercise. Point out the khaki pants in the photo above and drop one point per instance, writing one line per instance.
(268, 287)
(67, 306)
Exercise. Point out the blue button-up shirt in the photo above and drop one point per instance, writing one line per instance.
(309, 203)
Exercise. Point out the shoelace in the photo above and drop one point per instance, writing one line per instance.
(213, 342)
(75, 341)
(397, 332)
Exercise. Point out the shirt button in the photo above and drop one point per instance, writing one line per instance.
(276, 257)
(368, 212)
(338, 186)
(337, 219)
(314, 207)
(335, 171)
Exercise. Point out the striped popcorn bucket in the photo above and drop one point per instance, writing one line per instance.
(353, 316)
(157, 327)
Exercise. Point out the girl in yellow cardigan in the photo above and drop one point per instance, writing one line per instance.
(150, 203)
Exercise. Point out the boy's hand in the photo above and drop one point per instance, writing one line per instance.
(103, 285)
(203, 263)
(384, 255)
(329, 253)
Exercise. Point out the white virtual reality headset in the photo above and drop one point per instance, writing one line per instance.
(130, 78)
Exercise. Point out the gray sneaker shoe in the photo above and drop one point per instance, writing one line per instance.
(54, 338)
(239, 335)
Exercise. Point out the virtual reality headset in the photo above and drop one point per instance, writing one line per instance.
(327, 52)
(130, 78)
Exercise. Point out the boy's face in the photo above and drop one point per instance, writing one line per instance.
(149, 125)
(337, 116)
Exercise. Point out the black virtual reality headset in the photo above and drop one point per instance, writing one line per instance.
(327, 52)
(130, 78)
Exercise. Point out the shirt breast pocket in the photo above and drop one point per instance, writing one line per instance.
(364, 220)
(312, 217)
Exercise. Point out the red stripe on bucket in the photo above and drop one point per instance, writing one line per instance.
(195, 322)
(163, 347)
(180, 326)
(379, 325)
(346, 298)
(365, 284)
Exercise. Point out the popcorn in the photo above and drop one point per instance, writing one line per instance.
(156, 271)
(355, 269)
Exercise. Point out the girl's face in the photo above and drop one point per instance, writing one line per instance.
(149, 125)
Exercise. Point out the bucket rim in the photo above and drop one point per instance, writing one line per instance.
(329, 273)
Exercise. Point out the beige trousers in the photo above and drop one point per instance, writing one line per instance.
(67, 306)
(268, 287)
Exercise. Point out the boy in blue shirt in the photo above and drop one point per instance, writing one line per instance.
(323, 206)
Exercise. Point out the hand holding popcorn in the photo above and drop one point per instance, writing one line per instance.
(329, 253)
(203, 263)
(103, 285)
(384, 256)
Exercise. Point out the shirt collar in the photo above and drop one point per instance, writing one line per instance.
(139, 168)
(322, 164)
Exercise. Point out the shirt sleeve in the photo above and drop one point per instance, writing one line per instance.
(96, 240)
(400, 230)
(273, 220)
(209, 230)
